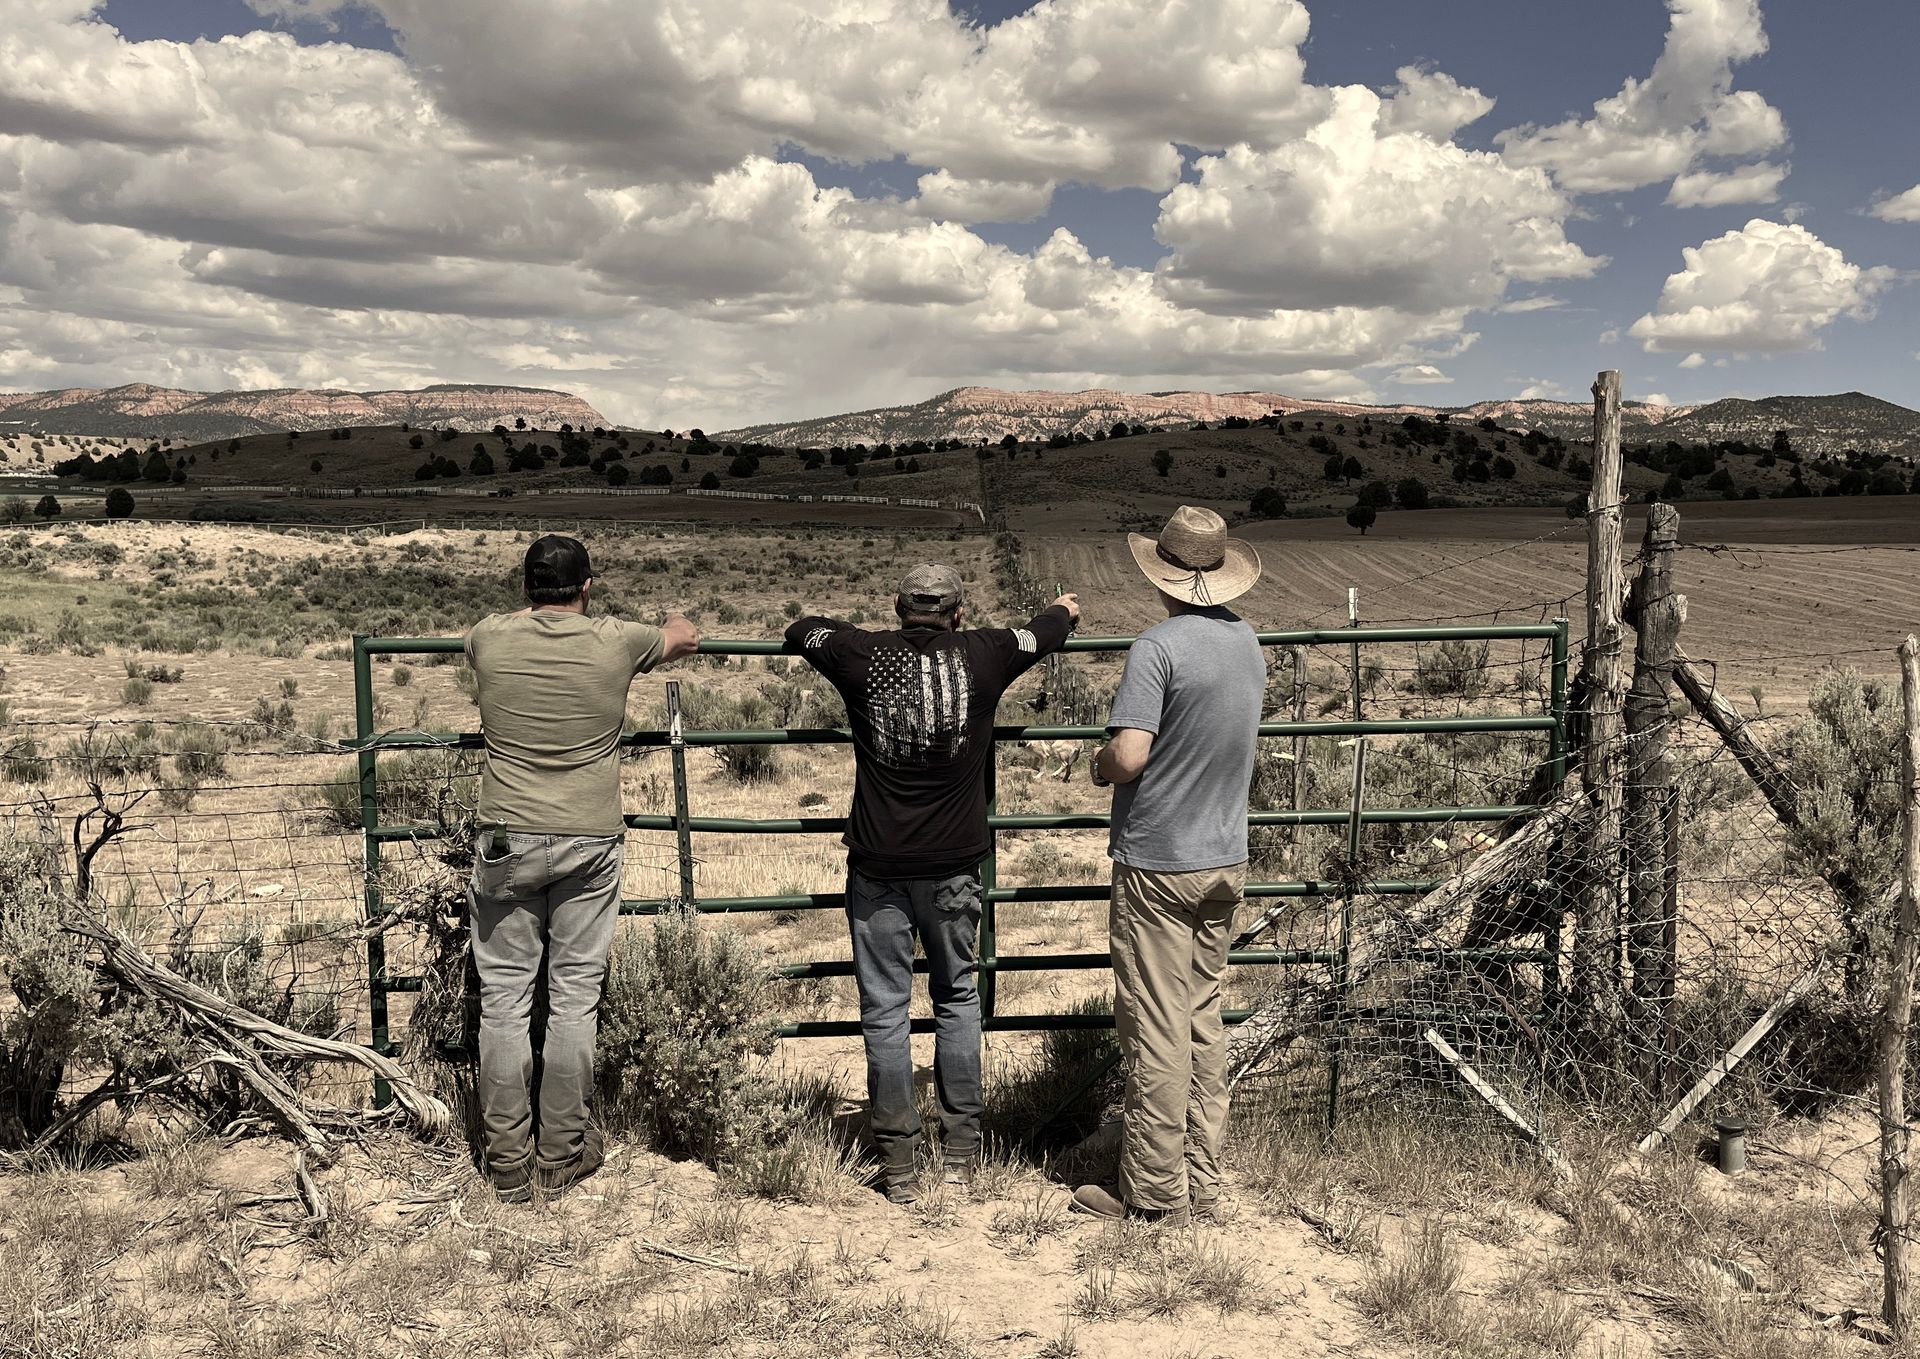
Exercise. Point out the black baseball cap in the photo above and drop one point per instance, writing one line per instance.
(557, 564)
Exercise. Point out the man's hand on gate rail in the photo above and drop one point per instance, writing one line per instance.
(682, 637)
(1071, 603)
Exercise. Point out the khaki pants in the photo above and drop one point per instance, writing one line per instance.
(1169, 934)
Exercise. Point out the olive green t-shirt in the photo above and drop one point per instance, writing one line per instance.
(553, 697)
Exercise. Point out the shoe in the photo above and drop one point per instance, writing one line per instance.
(961, 1173)
(904, 1190)
(1206, 1209)
(512, 1186)
(593, 1155)
(1097, 1200)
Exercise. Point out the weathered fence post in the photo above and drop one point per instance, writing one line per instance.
(1596, 935)
(1658, 614)
(1896, 1305)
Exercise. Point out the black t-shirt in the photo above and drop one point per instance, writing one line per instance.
(920, 704)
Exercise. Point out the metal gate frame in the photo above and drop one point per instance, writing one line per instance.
(381, 984)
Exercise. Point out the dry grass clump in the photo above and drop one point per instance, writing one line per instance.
(1151, 1271)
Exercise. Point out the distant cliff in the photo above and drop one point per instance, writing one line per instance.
(1817, 424)
(142, 411)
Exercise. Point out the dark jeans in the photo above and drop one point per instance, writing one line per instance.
(884, 917)
(550, 903)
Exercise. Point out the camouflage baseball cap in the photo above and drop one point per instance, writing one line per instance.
(933, 588)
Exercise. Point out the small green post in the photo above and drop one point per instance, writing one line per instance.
(682, 825)
(1557, 756)
(989, 879)
(370, 846)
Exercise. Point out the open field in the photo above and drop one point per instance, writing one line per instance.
(1369, 1245)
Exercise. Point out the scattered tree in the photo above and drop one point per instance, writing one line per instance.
(48, 508)
(1411, 493)
(1268, 503)
(119, 503)
(1361, 516)
(1163, 462)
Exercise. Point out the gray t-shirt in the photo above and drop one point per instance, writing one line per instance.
(1197, 681)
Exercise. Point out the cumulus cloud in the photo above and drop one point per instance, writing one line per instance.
(944, 195)
(1659, 128)
(1902, 207)
(1756, 183)
(602, 195)
(1431, 103)
(1769, 287)
(1694, 360)
(1347, 214)
(1421, 374)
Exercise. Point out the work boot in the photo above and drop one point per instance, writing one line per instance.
(960, 1174)
(902, 1188)
(512, 1186)
(593, 1155)
(1098, 1200)
(1206, 1208)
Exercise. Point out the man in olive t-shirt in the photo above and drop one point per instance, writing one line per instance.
(552, 686)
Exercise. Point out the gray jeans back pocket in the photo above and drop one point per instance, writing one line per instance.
(495, 879)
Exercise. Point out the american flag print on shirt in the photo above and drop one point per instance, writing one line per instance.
(917, 704)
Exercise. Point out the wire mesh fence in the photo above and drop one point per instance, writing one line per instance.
(238, 851)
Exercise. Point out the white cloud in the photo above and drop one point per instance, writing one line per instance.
(1421, 374)
(1347, 214)
(1431, 103)
(597, 200)
(1542, 391)
(1901, 207)
(1756, 183)
(1694, 360)
(1766, 288)
(1659, 128)
(944, 196)
(1657, 399)
(1543, 302)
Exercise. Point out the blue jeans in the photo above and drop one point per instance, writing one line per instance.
(884, 917)
(548, 905)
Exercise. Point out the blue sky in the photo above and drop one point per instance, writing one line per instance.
(665, 277)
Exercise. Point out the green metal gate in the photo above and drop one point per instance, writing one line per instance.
(1553, 722)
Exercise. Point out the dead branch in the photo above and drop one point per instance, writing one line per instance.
(1283, 1018)
(246, 1044)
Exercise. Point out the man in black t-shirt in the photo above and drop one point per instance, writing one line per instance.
(920, 703)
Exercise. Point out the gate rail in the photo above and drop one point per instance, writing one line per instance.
(685, 825)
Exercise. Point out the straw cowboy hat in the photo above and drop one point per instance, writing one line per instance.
(1194, 560)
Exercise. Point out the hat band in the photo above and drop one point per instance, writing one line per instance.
(1172, 560)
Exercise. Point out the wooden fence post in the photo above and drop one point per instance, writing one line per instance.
(1658, 614)
(1896, 1305)
(1596, 977)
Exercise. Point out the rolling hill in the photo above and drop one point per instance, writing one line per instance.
(142, 411)
(1817, 424)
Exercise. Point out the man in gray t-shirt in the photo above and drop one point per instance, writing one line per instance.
(1183, 731)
